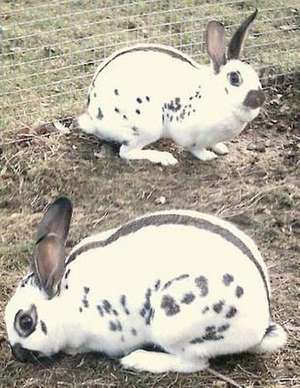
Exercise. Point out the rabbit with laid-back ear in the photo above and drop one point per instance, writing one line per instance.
(146, 92)
(191, 284)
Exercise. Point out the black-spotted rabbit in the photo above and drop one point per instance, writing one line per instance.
(146, 92)
(189, 283)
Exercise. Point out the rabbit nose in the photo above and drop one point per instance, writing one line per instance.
(21, 354)
(254, 99)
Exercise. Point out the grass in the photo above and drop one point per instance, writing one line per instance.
(256, 186)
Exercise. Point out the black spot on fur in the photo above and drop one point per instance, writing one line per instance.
(135, 129)
(202, 283)
(239, 291)
(138, 112)
(180, 277)
(173, 105)
(157, 285)
(231, 312)
(123, 302)
(147, 311)
(99, 308)
(133, 332)
(112, 326)
(80, 309)
(95, 94)
(188, 298)
(210, 335)
(116, 92)
(85, 303)
(197, 340)
(125, 117)
(67, 287)
(86, 290)
(139, 100)
(169, 305)
(67, 273)
(88, 101)
(205, 309)
(99, 114)
(115, 312)
(227, 279)
(117, 110)
(222, 328)
(44, 327)
(191, 98)
(210, 328)
(106, 306)
(148, 98)
(226, 90)
(217, 307)
(119, 326)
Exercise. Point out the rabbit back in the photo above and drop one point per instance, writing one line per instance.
(177, 279)
(130, 89)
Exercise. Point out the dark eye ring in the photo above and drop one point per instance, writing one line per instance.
(235, 78)
(26, 322)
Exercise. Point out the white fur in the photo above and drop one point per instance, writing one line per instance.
(131, 266)
(219, 115)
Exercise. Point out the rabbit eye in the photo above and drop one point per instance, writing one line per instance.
(235, 78)
(26, 322)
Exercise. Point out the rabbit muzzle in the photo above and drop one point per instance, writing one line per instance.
(254, 99)
(24, 355)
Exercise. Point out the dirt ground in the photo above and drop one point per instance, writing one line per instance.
(256, 186)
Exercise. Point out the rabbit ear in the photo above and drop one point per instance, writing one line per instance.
(56, 219)
(215, 40)
(237, 41)
(49, 254)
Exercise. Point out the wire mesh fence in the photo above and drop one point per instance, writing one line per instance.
(50, 50)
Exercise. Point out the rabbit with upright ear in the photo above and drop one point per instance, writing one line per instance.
(191, 284)
(146, 92)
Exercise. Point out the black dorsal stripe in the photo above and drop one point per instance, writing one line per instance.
(176, 219)
(160, 49)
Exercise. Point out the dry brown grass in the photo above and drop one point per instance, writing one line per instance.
(257, 190)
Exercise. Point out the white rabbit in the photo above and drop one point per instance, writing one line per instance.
(190, 284)
(146, 92)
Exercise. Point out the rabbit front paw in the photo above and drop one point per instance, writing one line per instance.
(157, 362)
(204, 154)
(164, 158)
(220, 149)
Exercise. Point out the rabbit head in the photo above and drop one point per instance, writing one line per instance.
(238, 79)
(27, 314)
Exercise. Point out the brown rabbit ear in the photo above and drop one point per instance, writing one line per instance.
(49, 263)
(49, 254)
(215, 40)
(237, 41)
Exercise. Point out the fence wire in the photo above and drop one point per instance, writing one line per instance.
(50, 50)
